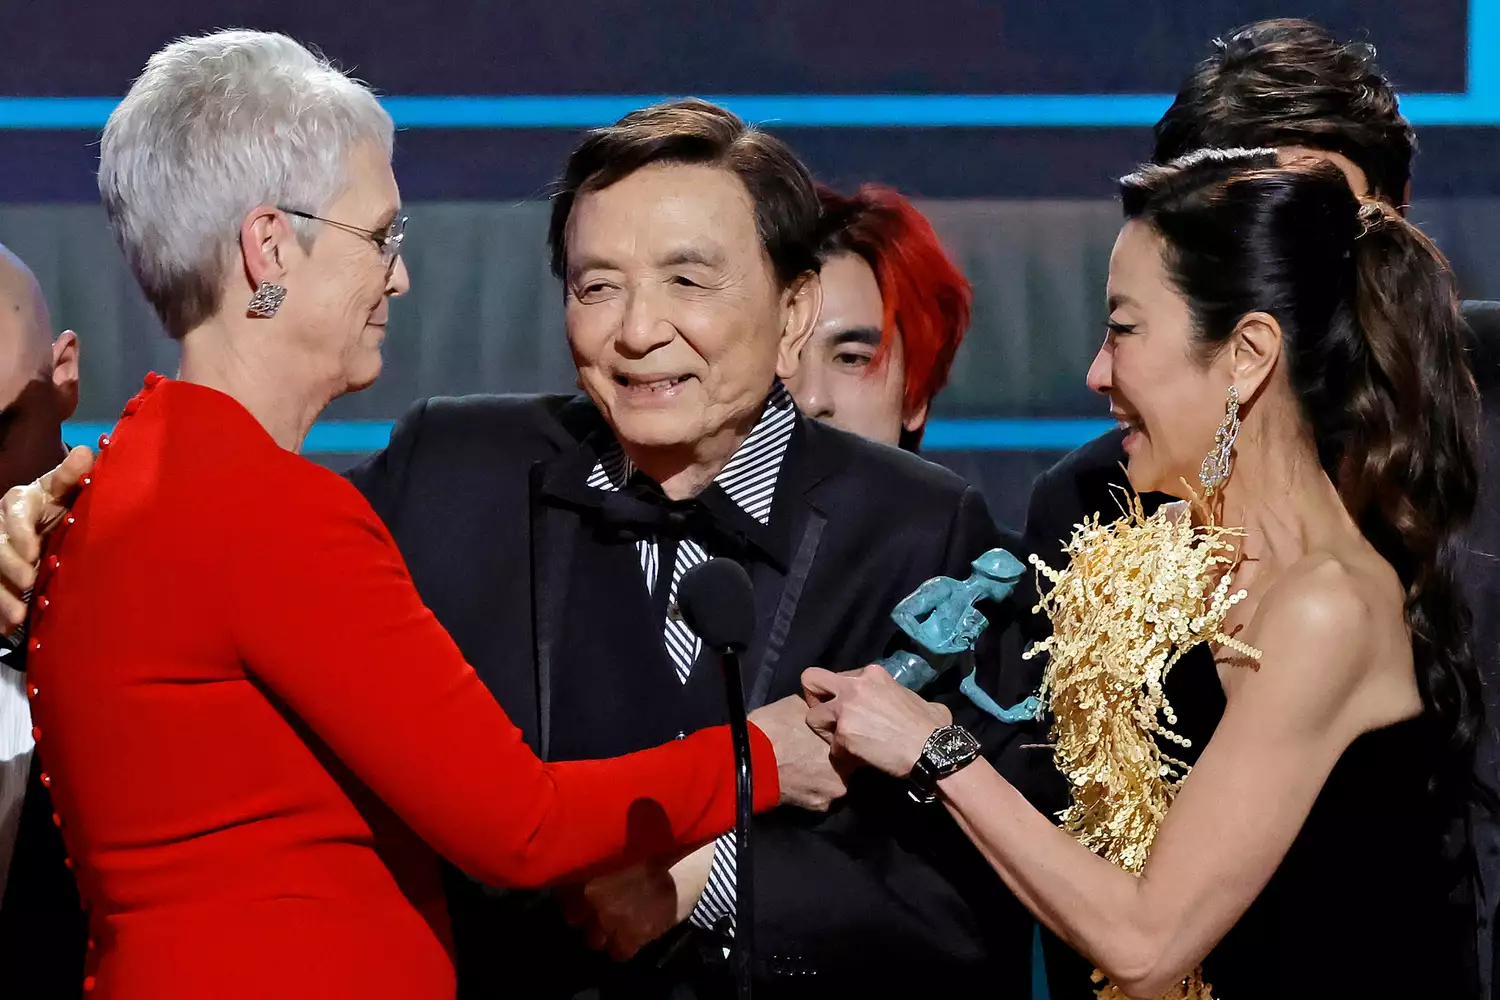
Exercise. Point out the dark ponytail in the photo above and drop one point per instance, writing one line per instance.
(1409, 469)
(1375, 354)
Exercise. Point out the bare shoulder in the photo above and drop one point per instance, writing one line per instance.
(1333, 635)
(1322, 595)
(1342, 595)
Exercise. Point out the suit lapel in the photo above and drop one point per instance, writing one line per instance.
(778, 609)
(554, 536)
(798, 522)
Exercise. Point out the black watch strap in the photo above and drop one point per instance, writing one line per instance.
(923, 782)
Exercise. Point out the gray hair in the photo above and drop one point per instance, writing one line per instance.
(213, 127)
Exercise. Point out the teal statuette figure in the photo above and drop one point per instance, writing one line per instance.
(940, 617)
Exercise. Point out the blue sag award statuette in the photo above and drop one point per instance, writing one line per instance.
(940, 617)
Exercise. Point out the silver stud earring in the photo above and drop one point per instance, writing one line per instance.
(266, 300)
(1219, 462)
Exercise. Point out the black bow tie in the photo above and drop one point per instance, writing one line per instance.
(641, 512)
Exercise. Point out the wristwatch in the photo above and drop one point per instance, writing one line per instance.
(948, 750)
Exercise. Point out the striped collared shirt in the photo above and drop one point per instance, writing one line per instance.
(748, 479)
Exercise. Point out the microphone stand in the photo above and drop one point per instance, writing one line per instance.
(741, 950)
(717, 602)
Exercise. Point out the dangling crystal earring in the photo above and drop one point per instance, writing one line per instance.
(266, 300)
(1218, 463)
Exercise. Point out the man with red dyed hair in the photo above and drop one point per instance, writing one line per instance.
(894, 311)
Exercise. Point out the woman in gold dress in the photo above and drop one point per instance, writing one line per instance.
(1263, 696)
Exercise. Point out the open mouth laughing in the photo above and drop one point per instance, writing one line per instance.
(1134, 429)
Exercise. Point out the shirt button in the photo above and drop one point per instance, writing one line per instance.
(46, 780)
(88, 983)
(52, 561)
(45, 602)
(103, 441)
(57, 821)
(36, 644)
(36, 734)
(33, 691)
(682, 736)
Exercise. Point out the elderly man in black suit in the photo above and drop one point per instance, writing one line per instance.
(548, 534)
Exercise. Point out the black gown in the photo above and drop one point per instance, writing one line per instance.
(1359, 907)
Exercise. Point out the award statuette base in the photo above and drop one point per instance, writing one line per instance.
(914, 673)
(910, 670)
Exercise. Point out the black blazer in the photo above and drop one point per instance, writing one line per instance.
(878, 893)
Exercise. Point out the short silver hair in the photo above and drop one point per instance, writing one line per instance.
(213, 127)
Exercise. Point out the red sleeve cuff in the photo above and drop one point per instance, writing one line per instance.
(766, 774)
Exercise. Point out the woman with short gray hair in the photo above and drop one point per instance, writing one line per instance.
(216, 126)
(248, 738)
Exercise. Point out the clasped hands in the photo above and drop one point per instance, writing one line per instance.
(839, 722)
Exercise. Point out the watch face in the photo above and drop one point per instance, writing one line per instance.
(952, 744)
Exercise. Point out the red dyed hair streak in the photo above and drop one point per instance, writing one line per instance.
(925, 296)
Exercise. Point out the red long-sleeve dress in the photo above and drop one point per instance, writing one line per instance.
(253, 729)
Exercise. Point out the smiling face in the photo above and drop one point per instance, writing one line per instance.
(1160, 390)
(675, 318)
(837, 379)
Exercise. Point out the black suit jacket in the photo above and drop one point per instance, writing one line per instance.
(878, 893)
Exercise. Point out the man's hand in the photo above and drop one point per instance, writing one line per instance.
(624, 912)
(808, 778)
(27, 514)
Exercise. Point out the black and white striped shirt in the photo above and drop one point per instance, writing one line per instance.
(748, 479)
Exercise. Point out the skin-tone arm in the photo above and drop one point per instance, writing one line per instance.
(27, 514)
(1236, 816)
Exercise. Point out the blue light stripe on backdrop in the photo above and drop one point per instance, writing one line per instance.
(353, 437)
(784, 110)
(1478, 105)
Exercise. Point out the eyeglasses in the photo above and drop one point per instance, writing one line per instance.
(388, 240)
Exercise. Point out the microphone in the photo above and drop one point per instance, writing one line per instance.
(718, 604)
